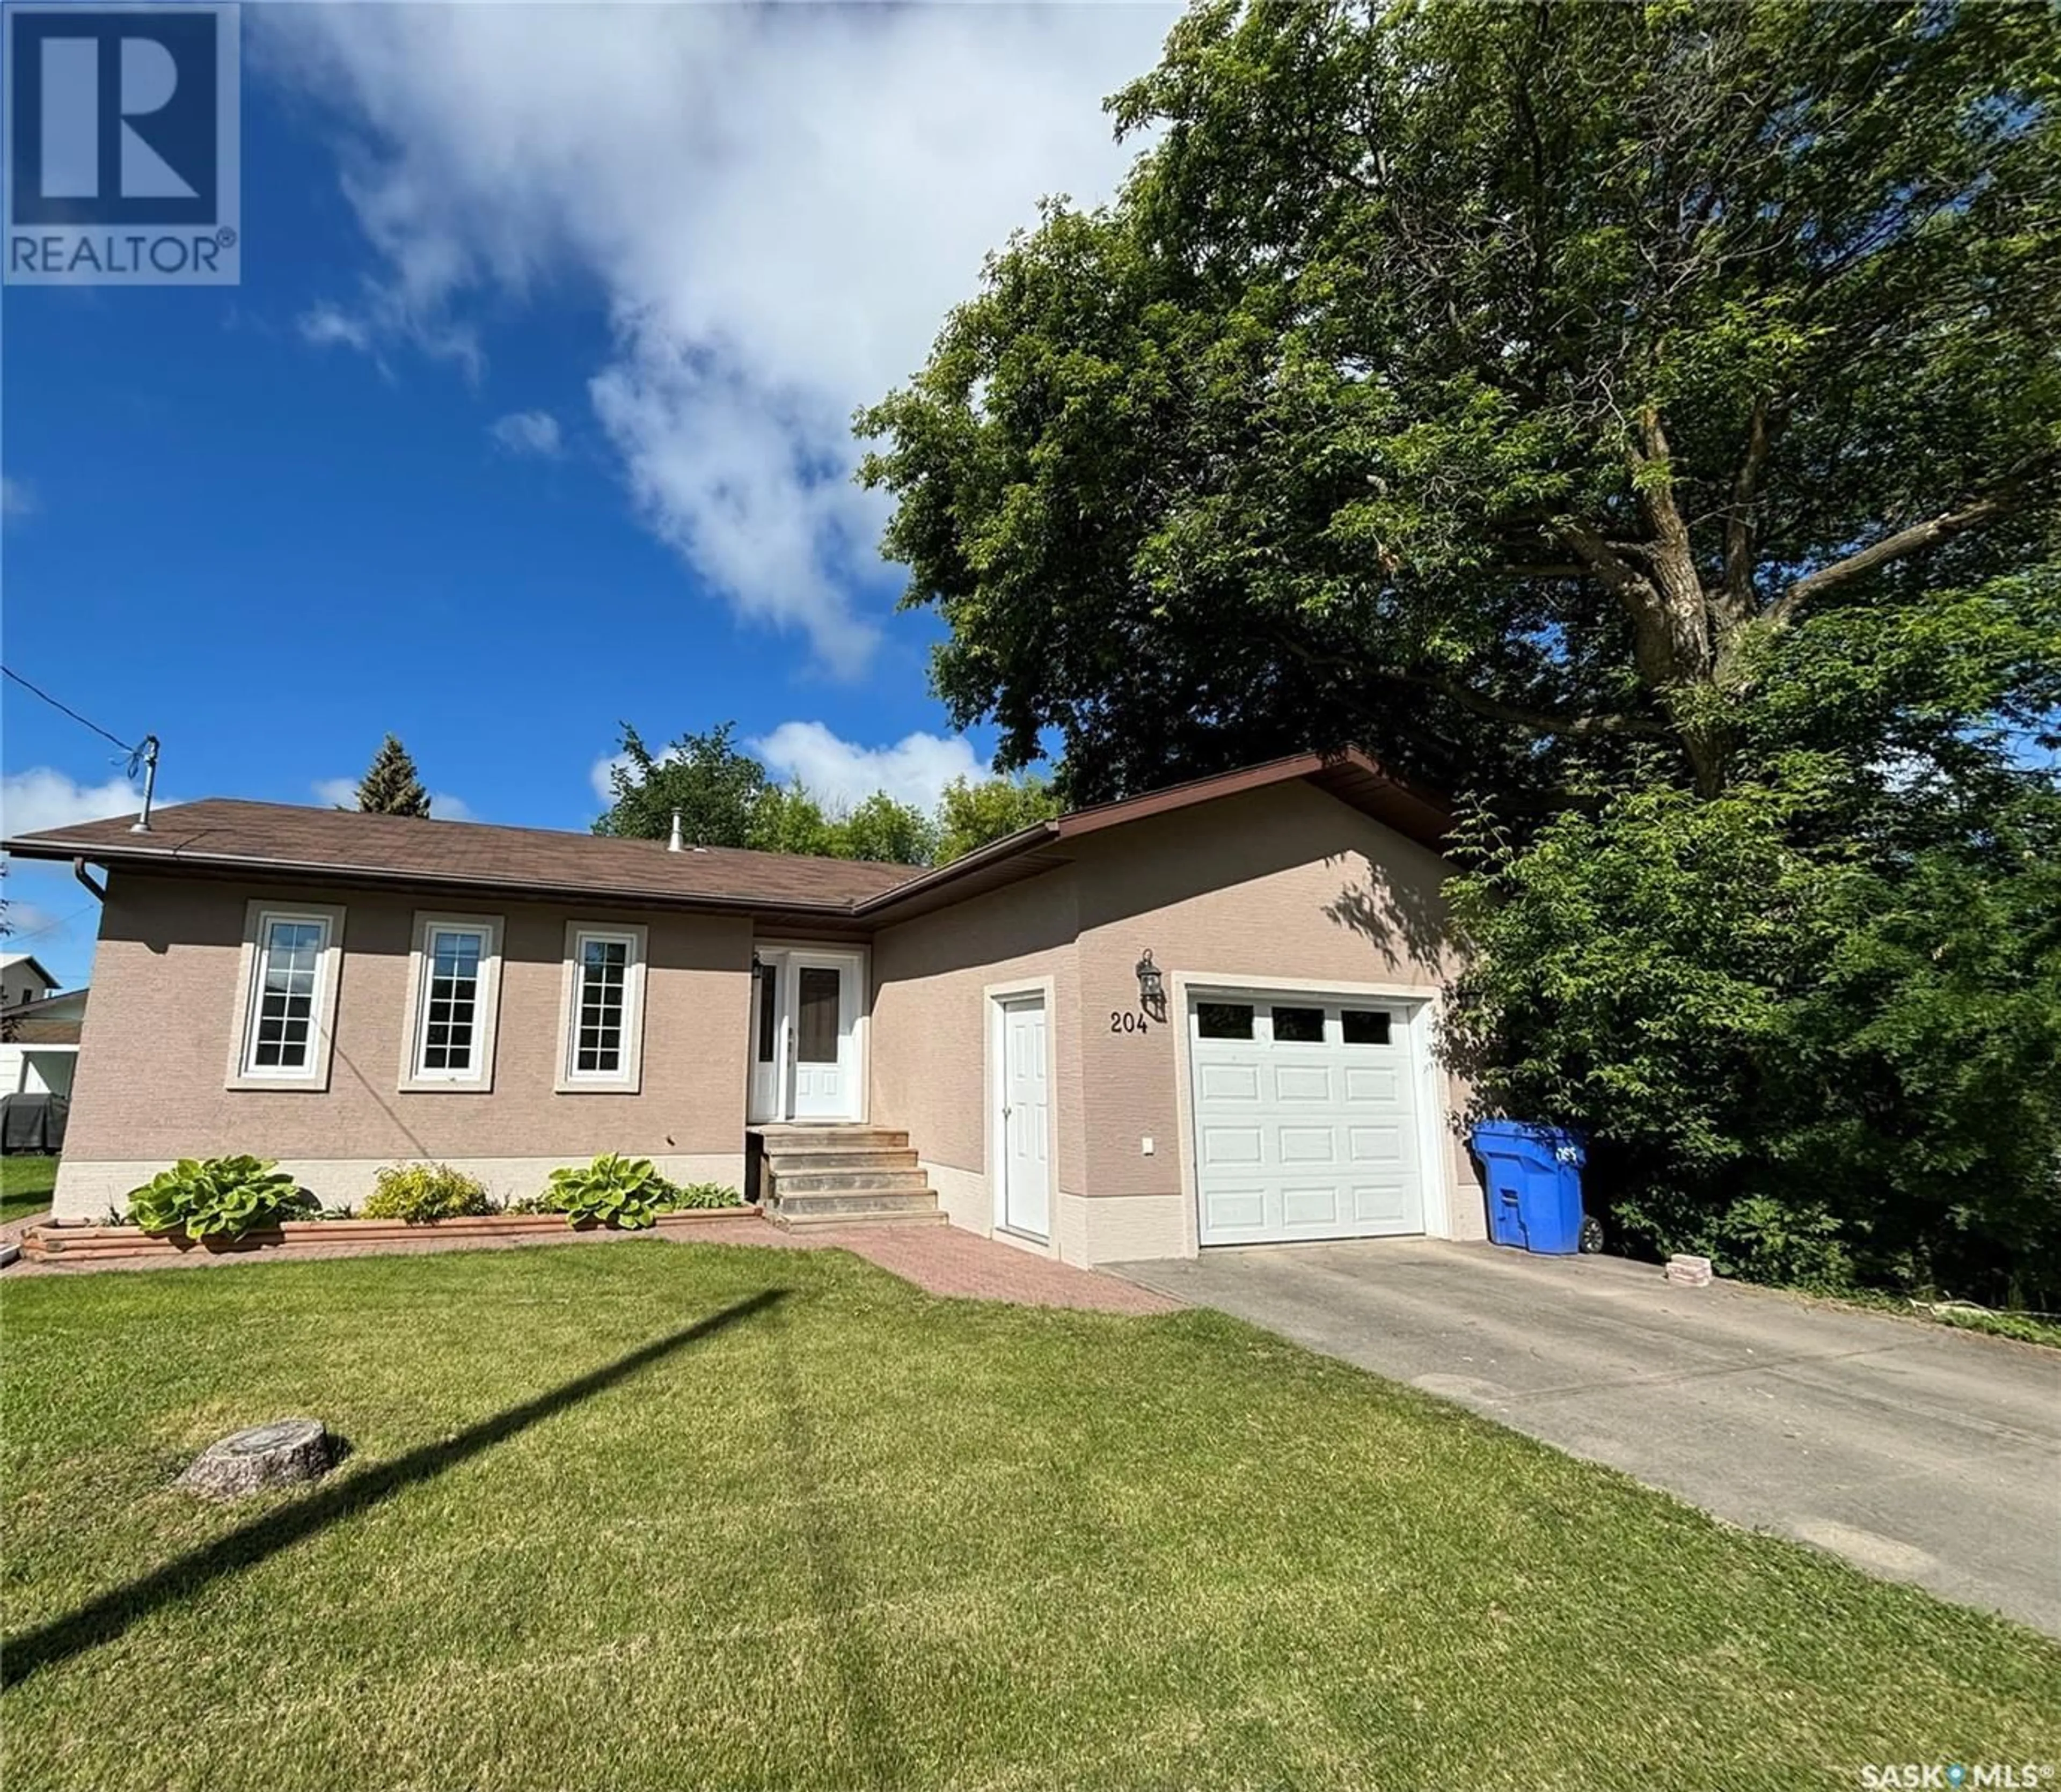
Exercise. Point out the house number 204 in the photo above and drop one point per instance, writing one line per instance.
(1128, 1020)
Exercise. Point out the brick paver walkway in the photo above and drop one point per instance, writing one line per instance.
(939, 1259)
(945, 1260)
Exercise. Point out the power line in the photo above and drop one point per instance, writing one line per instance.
(43, 927)
(134, 752)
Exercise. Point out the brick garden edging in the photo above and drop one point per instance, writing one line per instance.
(84, 1244)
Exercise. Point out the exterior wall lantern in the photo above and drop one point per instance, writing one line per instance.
(1151, 990)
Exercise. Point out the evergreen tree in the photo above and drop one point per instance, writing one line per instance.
(391, 785)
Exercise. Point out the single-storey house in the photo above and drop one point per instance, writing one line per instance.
(1200, 1016)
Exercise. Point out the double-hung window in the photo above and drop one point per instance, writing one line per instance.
(456, 968)
(287, 1002)
(603, 1020)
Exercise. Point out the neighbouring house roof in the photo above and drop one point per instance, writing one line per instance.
(223, 837)
(9, 960)
(50, 1020)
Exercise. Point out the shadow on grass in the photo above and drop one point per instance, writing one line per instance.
(103, 1619)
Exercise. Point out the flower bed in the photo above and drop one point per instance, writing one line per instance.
(81, 1244)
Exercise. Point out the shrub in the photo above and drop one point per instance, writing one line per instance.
(1797, 1245)
(612, 1191)
(707, 1194)
(1819, 1058)
(221, 1197)
(422, 1194)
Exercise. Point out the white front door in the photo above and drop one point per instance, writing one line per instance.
(1026, 1206)
(1306, 1123)
(824, 1000)
(805, 1044)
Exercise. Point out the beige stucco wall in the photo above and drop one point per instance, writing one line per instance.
(929, 1056)
(155, 1048)
(1281, 883)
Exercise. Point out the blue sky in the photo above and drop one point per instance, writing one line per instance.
(530, 414)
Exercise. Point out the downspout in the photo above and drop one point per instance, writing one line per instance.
(79, 871)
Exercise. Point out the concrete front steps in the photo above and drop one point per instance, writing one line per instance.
(842, 1175)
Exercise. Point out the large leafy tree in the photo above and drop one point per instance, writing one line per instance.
(1498, 386)
(726, 798)
(1812, 1024)
(714, 785)
(883, 828)
(972, 813)
(391, 785)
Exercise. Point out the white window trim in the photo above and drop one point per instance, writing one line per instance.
(629, 1079)
(258, 915)
(478, 1079)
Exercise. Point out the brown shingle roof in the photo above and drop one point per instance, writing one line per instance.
(221, 833)
(223, 836)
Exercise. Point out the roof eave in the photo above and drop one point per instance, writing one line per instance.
(995, 852)
(303, 871)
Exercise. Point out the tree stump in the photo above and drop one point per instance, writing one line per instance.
(266, 1456)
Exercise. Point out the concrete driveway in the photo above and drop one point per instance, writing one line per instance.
(1917, 1453)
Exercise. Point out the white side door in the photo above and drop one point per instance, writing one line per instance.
(1305, 1118)
(822, 999)
(1026, 1204)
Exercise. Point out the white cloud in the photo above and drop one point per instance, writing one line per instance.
(839, 773)
(328, 325)
(780, 204)
(17, 499)
(39, 799)
(528, 432)
(448, 808)
(602, 773)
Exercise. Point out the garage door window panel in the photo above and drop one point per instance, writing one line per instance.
(1223, 1020)
(1365, 1026)
(1298, 1027)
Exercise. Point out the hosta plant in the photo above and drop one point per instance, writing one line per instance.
(708, 1194)
(217, 1198)
(612, 1191)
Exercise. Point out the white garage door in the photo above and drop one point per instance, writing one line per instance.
(1306, 1123)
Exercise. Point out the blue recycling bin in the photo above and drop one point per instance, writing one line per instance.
(1533, 1176)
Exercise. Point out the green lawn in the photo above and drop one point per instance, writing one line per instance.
(852, 1535)
(25, 1184)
